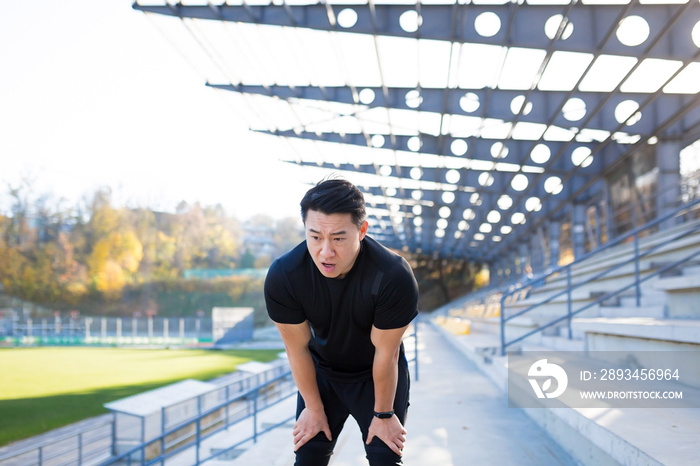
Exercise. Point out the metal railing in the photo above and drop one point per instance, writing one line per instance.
(566, 271)
(192, 433)
(86, 447)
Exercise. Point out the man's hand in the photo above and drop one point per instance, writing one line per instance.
(389, 431)
(308, 425)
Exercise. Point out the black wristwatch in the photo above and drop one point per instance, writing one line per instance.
(384, 415)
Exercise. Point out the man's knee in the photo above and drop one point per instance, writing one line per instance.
(378, 454)
(316, 452)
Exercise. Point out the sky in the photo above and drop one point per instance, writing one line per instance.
(93, 95)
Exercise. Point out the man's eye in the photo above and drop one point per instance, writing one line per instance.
(339, 239)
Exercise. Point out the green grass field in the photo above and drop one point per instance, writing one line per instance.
(48, 387)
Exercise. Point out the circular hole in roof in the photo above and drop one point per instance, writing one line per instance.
(496, 239)
(551, 27)
(487, 24)
(385, 170)
(506, 229)
(632, 31)
(439, 233)
(552, 185)
(540, 153)
(468, 214)
(469, 102)
(417, 209)
(416, 173)
(367, 96)
(499, 150)
(479, 236)
(485, 228)
(517, 218)
(627, 109)
(413, 143)
(458, 234)
(653, 140)
(390, 191)
(580, 157)
(347, 18)
(377, 140)
(413, 99)
(475, 199)
(417, 194)
(459, 147)
(695, 34)
(463, 225)
(574, 109)
(517, 104)
(410, 21)
(485, 179)
(448, 197)
(452, 176)
(533, 204)
(519, 182)
(394, 207)
(442, 223)
(444, 212)
(504, 202)
(493, 217)
(418, 221)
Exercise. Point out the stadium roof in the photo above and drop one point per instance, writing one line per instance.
(467, 124)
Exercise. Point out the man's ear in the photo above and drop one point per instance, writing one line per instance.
(363, 230)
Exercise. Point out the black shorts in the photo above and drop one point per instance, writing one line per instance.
(356, 399)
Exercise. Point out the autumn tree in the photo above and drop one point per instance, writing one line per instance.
(115, 250)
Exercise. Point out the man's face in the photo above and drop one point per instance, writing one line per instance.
(333, 242)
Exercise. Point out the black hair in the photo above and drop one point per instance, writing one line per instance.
(335, 196)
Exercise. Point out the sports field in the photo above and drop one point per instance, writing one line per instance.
(48, 387)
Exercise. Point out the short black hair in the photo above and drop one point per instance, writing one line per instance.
(335, 196)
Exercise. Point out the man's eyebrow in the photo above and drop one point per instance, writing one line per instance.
(337, 233)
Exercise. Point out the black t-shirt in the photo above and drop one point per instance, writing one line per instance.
(379, 290)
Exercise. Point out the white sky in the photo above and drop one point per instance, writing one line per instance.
(91, 94)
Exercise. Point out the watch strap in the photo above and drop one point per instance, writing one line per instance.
(383, 415)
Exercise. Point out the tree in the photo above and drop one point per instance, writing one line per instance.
(114, 262)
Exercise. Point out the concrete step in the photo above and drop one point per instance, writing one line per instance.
(673, 331)
(657, 312)
(562, 343)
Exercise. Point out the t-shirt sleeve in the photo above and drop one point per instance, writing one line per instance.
(279, 298)
(397, 300)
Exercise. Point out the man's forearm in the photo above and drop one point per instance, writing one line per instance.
(304, 374)
(385, 372)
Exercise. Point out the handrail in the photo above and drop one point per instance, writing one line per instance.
(197, 422)
(58, 439)
(568, 267)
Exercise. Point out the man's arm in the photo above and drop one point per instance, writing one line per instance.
(312, 419)
(385, 374)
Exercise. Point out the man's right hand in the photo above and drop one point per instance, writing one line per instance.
(308, 425)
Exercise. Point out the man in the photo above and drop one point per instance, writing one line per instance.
(342, 303)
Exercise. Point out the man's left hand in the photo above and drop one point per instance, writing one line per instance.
(390, 431)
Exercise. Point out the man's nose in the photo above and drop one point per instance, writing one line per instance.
(327, 249)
